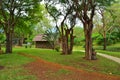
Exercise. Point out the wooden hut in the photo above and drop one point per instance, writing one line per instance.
(40, 42)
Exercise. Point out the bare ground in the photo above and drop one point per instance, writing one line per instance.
(1, 67)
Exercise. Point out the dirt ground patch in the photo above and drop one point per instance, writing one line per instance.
(1, 67)
(45, 70)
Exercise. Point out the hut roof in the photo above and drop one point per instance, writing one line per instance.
(39, 38)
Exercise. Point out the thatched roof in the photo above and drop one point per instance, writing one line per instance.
(39, 38)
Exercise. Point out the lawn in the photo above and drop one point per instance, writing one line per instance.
(113, 50)
(116, 54)
(76, 60)
(13, 67)
(13, 63)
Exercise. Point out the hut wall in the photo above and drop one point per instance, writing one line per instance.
(43, 44)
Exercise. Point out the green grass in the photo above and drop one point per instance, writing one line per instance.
(14, 70)
(102, 65)
(78, 48)
(116, 54)
(63, 71)
(13, 67)
(113, 50)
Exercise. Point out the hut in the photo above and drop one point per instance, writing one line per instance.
(40, 42)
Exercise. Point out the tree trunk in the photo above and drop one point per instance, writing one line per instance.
(20, 42)
(88, 40)
(104, 48)
(71, 42)
(8, 42)
(0, 46)
(88, 45)
(66, 46)
(104, 38)
(63, 44)
(66, 42)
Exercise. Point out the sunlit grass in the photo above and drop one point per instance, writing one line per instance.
(76, 60)
(113, 50)
(13, 67)
(14, 70)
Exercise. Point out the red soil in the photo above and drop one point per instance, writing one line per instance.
(45, 70)
(1, 67)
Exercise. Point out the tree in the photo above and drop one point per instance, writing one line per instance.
(23, 30)
(85, 11)
(36, 23)
(104, 26)
(115, 30)
(10, 11)
(115, 15)
(106, 23)
(67, 23)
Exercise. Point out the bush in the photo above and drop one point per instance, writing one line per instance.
(1, 51)
(57, 48)
(76, 41)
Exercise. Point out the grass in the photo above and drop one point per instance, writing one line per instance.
(14, 70)
(113, 50)
(13, 67)
(116, 54)
(76, 60)
(63, 71)
(76, 48)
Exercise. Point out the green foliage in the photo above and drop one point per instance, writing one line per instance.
(79, 33)
(77, 41)
(111, 38)
(27, 27)
(23, 27)
(57, 48)
(115, 11)
(52, 36)
(103, 3)
(2, 38)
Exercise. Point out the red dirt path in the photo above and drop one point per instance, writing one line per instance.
(45, 70)
(1, 67)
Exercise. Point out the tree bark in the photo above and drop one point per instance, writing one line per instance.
(8, 43)
(0, 46)
(71, 42)
(88, 46)
(20, 42)
(105, 44)
(88, 40)
(104, 30)
(66, 42)
(67, 47)
(63, 44)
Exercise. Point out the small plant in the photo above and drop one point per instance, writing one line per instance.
(57, 48)
(1, 51)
